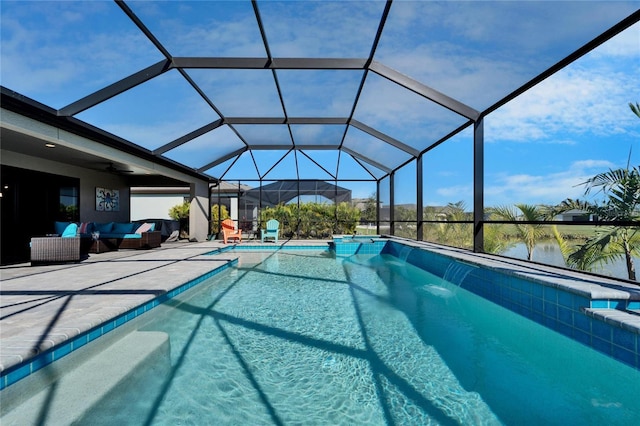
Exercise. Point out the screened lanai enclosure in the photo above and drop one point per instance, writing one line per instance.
(458, 122)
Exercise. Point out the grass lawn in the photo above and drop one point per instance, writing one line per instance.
(567, 231)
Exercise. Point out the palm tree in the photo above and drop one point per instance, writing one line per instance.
(621, 188)
(583, 263)
(565, 248)
(495, 240)
(452, 232)
(526, 232)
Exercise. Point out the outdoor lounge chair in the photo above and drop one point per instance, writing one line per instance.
(229, 231)
(273, 227)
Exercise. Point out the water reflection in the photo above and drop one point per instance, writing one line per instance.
(548, 252)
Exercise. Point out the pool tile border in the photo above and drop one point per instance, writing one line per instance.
(22, 370)
(256, 247)
(595, 317)
(359, 244)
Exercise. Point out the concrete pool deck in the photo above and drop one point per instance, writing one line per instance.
(44, 306)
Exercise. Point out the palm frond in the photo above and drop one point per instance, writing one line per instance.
(571, 204)
(565, 249)
(531, 212)
(503, 212)
(603, 248)
(605, 180)
(633, 240)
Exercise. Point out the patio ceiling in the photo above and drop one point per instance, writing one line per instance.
(347, 90)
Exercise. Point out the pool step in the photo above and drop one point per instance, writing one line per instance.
(75, 395)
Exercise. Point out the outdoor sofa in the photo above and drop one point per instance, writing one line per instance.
(62, 247)
(55, 250)
(99, 237)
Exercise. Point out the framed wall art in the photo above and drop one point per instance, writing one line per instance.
(107, 200)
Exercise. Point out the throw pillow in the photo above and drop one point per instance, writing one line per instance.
(70, 231)
(85, 228)
(143, 228)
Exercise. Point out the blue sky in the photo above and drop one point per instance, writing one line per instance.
(572, 126)
(539, 147)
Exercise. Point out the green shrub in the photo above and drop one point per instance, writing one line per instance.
(312, 220)
(216, 219)
(180, 211)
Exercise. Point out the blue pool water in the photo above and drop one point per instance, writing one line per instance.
(300, 337)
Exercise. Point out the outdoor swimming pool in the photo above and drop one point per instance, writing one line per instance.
(303, 337)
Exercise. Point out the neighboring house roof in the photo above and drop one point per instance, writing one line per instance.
(285, 191)
(575, 211)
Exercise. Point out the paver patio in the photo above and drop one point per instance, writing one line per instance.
(43, 306)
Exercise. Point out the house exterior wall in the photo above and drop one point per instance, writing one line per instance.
(89, 180)
(199, 212)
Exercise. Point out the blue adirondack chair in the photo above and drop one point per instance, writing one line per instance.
(273, 227)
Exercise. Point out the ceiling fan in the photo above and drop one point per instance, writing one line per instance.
(113, 169)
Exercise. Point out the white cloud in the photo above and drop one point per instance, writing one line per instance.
(479, 64)
(508, 188)
(589, 97)
(625, 44)
(55, 53)
(402, 114)
(575, 101)
(219, 30)
(455, 193)
(589, 165)
(552, 188)
(321, 29)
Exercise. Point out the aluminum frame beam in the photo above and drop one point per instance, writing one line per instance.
(188, 62)
(188, 137)
(388, 139)
(366, 159)
(478, 186)
(115, 89)
(286, 120)
(222, 159)
(424, 91)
